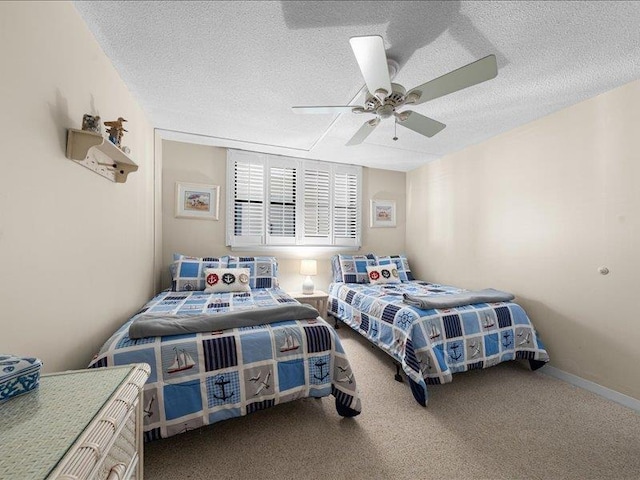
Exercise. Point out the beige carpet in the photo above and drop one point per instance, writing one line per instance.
(503, 422)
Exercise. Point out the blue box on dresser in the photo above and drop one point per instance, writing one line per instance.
(18, 375)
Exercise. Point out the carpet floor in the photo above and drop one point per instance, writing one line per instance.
(505, 422)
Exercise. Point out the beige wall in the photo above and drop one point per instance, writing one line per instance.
(536, 211)
(76, 249)
(188, 162)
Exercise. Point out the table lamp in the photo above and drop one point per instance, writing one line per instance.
(308, 268)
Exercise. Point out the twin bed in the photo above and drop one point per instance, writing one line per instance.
(268, 350)
(429, 344)
(200, 378)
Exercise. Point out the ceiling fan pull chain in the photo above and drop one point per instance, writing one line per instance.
(395, 127)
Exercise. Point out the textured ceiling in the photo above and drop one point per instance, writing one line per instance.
(230, 71)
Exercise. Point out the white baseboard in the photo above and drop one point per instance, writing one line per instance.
(605, 392)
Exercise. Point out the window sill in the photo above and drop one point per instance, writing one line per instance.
(295, 249)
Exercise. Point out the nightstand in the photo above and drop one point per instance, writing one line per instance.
(83, 424)
(317, 299)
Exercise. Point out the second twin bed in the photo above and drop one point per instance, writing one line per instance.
(375, 296)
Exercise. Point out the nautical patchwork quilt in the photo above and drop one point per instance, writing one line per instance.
(431, 345)
(202, 378)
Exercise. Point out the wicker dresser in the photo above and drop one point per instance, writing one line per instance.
(84, 424)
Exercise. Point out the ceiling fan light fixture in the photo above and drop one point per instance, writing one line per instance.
(412, 98)
(402, 116)
(385, 111)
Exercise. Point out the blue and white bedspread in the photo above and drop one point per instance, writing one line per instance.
(202, 378)
(433, 344)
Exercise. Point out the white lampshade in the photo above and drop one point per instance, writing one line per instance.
(309, 267)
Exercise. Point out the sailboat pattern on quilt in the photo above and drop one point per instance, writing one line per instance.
(202, 378)
(431, 345)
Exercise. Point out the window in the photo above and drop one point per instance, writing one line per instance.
(274, 200)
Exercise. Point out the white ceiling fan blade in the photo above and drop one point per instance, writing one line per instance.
(419, 123)
(325, 109)
(477, 72)
(363, 132)
(372, 60)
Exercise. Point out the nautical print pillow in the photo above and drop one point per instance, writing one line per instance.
(263, 271)
(354, 267)
(187, 273)
(379, 274)
(226, 280)
(401, 263)
(336, 271)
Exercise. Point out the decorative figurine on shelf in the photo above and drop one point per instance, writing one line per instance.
(91, 123)
(115, 131)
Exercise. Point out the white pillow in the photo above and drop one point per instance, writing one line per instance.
(379, 274)
(226, 280)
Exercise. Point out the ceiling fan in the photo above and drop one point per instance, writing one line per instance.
(385, 98)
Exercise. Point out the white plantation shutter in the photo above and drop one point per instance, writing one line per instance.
(346, 207)
(283, 186)
(247, 203)
(317, 206)
(275, 200)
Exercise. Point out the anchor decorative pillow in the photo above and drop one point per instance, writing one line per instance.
(226, 280)
(379, 274)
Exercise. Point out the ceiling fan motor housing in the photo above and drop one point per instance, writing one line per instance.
(372, 104)
(397, 93)
(387, 107)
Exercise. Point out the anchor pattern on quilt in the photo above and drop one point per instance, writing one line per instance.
(441, 341)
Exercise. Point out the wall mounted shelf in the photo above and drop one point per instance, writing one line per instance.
(97, 153)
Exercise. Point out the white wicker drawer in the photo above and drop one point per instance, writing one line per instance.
(122, 457)
(83, 425)
(113, 441)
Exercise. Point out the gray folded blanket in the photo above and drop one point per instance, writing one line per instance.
(159, 324)
(488, 295)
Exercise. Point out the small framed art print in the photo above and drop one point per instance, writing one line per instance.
(194, 200)
(383, 213)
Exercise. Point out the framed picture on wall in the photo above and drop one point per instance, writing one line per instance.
(194, 200)
(383, 213)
